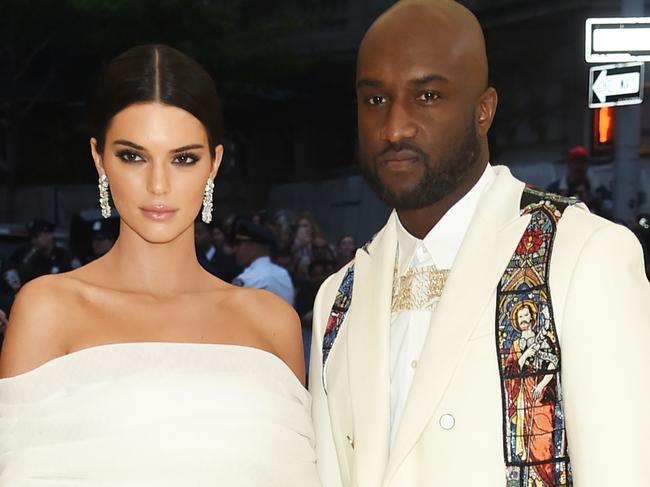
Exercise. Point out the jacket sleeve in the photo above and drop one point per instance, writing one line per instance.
(606, 362)
(327, 461)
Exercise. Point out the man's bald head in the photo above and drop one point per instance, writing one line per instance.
(423, 103)
(437, 22)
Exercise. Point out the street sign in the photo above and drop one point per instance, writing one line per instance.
(616, 84)
(619, 39)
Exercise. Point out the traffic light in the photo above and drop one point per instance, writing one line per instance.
(603, 139)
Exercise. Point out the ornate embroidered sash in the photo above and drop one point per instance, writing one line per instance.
(534, 434)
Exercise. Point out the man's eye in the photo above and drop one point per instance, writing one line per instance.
(129, 156)
(429, 96)
(377, 100)
(185, 159)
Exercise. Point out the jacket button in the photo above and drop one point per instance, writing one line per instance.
(350, 441)
(447, 421)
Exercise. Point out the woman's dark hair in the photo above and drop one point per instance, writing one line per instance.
(161, 74)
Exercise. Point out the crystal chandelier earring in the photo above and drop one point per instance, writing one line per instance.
(206, 214)
(103, 196)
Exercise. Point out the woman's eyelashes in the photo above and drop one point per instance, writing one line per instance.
(181, 159)
(186, 158)
(130, 156)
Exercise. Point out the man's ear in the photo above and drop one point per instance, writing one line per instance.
(486, 110)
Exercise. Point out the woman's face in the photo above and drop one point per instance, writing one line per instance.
(304, 225)
(157, 161)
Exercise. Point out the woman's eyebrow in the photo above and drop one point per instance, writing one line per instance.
(128, 143)
(187, 147)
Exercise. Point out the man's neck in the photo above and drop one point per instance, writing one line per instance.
(578, 181)
(47, 251)
(419, 222)
(258, 257)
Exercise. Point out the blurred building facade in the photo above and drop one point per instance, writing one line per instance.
(536, 55)
(295, 139)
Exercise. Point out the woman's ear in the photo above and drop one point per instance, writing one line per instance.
(99, 164)
(216, 162)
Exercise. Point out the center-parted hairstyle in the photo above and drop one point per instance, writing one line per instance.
(156, 73)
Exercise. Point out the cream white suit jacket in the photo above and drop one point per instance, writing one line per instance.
(601, 302)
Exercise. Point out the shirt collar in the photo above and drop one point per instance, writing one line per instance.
(444, 240)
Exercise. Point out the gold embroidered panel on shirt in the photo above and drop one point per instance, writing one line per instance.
(418, 288)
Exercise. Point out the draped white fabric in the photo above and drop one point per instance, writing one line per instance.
(157, 414)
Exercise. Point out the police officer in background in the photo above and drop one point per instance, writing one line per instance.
(9, 281)
(253, 246)
(576, 182)
(103, 234)
(41, 255)
(212, 257)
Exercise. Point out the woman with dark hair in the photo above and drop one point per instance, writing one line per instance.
(141, 368)
(302, 244)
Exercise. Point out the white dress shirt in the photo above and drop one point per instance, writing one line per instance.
(409, 328)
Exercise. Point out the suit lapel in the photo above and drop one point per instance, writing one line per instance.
(368, 354)
(490, 241)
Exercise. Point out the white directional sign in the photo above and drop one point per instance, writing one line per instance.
(619, 39)
(616, 84)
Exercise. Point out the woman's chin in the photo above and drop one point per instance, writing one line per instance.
(160, 232)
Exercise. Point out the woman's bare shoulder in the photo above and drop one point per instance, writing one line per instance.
(36, 331)
(275, 321)
(265, 309)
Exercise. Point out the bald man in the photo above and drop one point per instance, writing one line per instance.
(490, 334)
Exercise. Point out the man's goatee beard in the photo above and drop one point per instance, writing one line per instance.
(454, 166)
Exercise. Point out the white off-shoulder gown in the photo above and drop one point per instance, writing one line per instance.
(157, 414)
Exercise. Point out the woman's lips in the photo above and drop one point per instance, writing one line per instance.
(158, 213)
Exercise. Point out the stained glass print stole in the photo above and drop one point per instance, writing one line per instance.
(339, 311)
(535, 443)
(337, 315)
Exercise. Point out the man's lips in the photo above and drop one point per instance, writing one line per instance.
(399, 162)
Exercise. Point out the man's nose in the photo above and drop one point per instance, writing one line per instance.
(399, 124)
